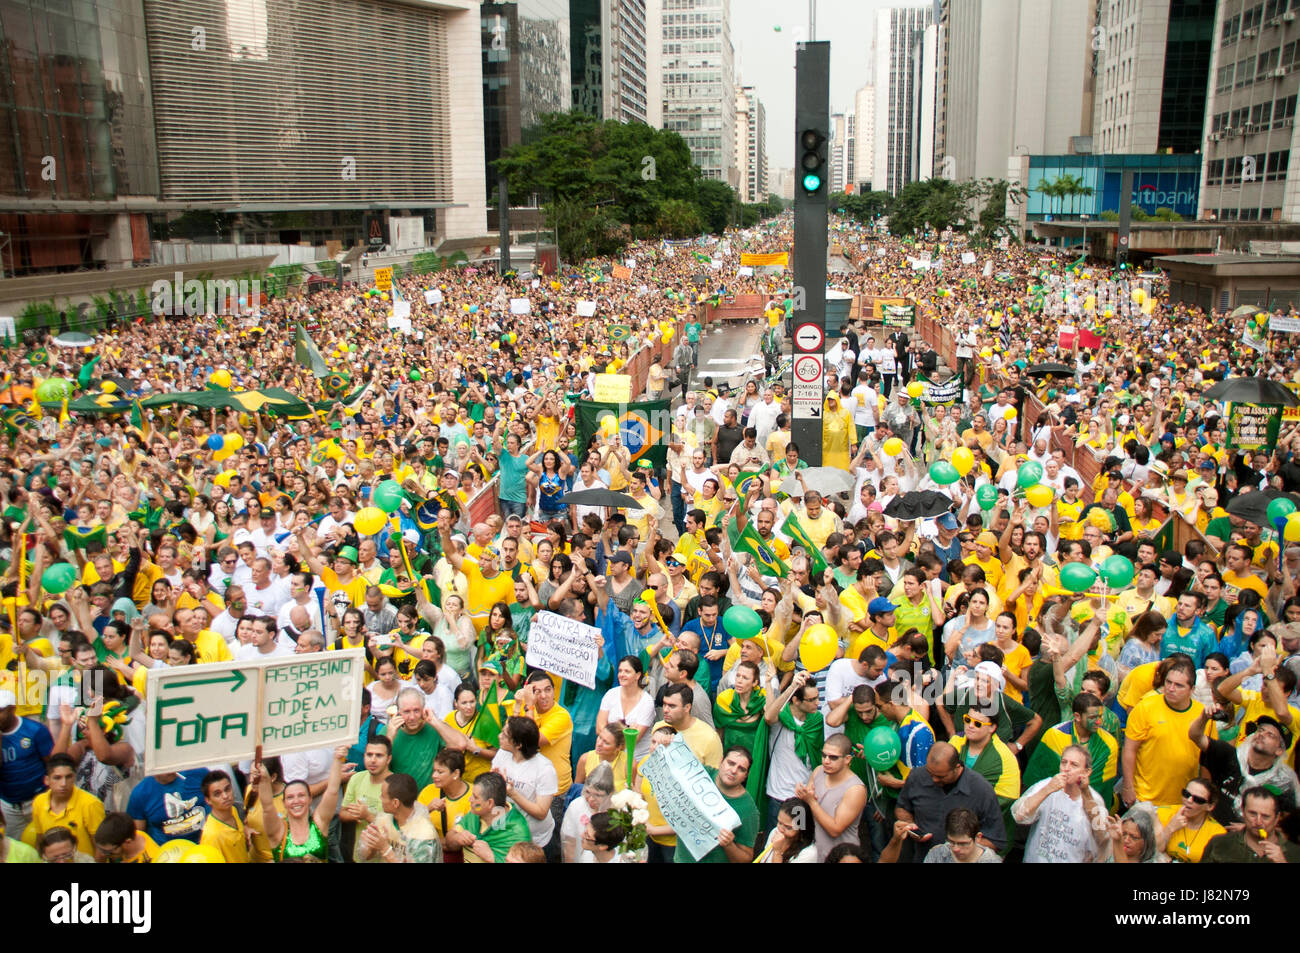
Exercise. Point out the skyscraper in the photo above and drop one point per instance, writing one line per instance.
(864, 121)
(1153, 66)
(1248, 173)
(699, 83)
(850, 150)
(751, 146)
(901, 75)
(838, 145)
(610, 51)
(1018, 80)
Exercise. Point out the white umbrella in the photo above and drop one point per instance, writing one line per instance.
(73, 339)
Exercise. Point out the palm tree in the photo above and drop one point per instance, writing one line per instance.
(1051, 188)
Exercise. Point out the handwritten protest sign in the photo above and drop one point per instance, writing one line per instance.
(222, 712)
(968, 258)
(586, 309)
(691, 803)
(433, 296)
(520, 306)
(1254, 426)
(564, 647)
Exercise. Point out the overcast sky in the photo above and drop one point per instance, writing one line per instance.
(765, 58)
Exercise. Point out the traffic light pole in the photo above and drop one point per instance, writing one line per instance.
(808, 337)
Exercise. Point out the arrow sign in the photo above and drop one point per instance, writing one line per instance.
(237, 677)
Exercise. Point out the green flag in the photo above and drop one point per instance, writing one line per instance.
(748, 541)
(642, 427)
(306, 354)
(799, 536)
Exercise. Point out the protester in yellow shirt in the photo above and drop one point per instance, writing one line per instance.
(63, 804)
(1159, 755)
(223, 831)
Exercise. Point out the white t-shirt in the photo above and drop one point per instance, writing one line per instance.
(576, 816)
(868, 402)
(313, 611)
(266, 601)
(786, 769)
(642, 715)
(1061, 832)
(841, 679)
(532, 778)
(248, 652)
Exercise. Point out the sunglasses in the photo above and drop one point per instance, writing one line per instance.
(1195, 798)
(976, 722)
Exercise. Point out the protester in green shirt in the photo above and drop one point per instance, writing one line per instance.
(734, 847)
(492, 825)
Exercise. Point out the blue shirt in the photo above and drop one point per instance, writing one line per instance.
(22, 769)
(172, 810)
(715, 638)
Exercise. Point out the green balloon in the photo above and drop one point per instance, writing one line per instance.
(388, 496)
(58, 578)
(1077, 577)
(1030, 472)
(1118, 571)
(881, 747)
(53, 389)
(1280, 509)
(414, 376)
(943, 473)
(742, 622)
(987, 496)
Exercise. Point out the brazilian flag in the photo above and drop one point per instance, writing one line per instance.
(746, 480)
(38, 357)
(643, 427)
(618, 333)
(794, 529)
(748, 541)
(80, 537)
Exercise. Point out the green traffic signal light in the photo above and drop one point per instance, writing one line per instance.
(812, 182)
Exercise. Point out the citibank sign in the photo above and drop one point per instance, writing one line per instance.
(1150, 195)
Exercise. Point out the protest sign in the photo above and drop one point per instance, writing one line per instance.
(622, 272)
(745, 272)
(564, 647)
(772, 258)
(222, 712)
(520, 306)
(899, 316)
(613, 388)
(433, 296)
(1254, 426)
(968, 258)
(944, 394)
(1288, 325)
(586, 309)
(384, 279)
(691, 803)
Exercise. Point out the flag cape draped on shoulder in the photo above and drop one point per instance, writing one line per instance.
(642, 427)
(808, 737)
(727, 715)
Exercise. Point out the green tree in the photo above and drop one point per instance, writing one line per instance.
(938, 202)
(717, 201)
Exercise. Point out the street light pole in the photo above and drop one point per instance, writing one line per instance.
(1083, 217)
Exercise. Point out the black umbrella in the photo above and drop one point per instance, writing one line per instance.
(1253, 505)
(1252, 390)
(600, 497)
(700, 279)
(1058, 370)
(918, 505)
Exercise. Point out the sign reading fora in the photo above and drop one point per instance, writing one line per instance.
(210, 714)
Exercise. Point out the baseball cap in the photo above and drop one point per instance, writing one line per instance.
(880, 605)
(947, 521)
(268, 513)
(987, 539)
(349, 553)
(621, 557)
(992, 670)
(1251, 727)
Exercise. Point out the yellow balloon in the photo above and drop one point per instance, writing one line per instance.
(608, 426)
(221, 377)
(986, 352)
(234, 442)
(1291, 528)
(1039, 495)
(172, 851)
(370, 520)
(914, 389)
(1100, 519)
(963, 460)
(892, 447)
(202, 854)
(107, 386)
(817, 647)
